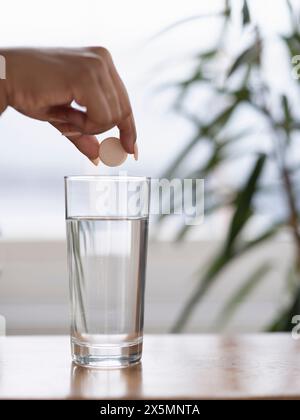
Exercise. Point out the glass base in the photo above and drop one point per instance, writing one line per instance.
(104, 356)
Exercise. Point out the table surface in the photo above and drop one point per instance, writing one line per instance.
(173, 367)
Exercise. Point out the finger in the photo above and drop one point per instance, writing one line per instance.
(126, 125)
(85, 143)
(110, 93)
(67, 114)
(128, 134)
(78, 119)
(90, 95)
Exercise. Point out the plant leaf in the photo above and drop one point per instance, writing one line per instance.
(221, 120)
(208, 210)
(241, 294)
(293, 43)
(217, 264)
(243, 202)
(287, 114)
(221, 260)
(292, 14)
(203, 131)
(250, 55)
(172, 168)
(227, 11)
(267, 234)
(282, 322)
(242, 94)
(206, 55)
(214, 160)
(285, 106)
(246, 13)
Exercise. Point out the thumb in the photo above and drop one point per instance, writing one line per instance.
(85, 143)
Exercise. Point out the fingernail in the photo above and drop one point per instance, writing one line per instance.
(136, 151)
(71, 133)
(95, 161)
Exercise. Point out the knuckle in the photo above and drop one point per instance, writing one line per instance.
(90, 128)
(99, 63)
(126, 112)
(89, 65)
(114, 120)
(108, 124)
(103, 52)
(94, 64)
(86, 75)
(95, 128)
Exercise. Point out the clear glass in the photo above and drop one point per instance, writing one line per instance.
(107, 228)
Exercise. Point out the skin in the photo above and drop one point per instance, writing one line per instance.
(42, 84)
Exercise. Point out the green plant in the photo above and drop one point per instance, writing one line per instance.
(242, 84)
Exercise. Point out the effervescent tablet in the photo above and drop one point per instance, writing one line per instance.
(111, 152)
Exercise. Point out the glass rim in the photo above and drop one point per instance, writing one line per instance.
(107, 178)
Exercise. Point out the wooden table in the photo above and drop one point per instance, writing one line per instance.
(173, 366)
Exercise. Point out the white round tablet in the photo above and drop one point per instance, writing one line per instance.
(111, 152)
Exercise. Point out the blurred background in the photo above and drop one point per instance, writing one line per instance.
(215, 97)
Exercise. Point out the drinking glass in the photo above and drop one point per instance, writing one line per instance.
(107, 228)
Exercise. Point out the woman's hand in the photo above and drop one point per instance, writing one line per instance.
(42, 84)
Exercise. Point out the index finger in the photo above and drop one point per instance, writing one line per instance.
(126, 125)
(127, 133)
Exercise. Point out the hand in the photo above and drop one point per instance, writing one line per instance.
(42, 84)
